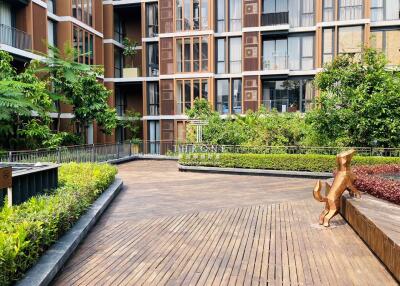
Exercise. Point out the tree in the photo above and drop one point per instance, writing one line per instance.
(24, 104)
(79, 86)
(130, 50)
(131, 122)
(359, 103)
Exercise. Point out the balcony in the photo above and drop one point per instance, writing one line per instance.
(274, 19)
(281, 105)
(276, 63)
(15, 38)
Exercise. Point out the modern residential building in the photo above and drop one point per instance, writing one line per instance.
(237, 54)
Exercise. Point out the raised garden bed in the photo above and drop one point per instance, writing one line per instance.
(381, 181)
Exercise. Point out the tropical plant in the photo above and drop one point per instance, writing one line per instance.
(131, 122)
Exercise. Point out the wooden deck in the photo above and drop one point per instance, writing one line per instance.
(258, 244)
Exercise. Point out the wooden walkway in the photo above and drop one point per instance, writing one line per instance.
(273, 244)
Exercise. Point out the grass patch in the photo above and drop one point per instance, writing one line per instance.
(287, 162)
(29, 229)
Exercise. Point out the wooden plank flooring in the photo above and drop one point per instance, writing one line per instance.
(259, 245)
(170, 228)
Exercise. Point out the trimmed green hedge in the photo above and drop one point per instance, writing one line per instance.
(287, 162)
(27, 230)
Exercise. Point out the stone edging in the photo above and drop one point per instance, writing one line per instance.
(256, 172)
(47, 267)
(372, 219)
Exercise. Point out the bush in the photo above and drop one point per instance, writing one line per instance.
(370, 180)
(27, 230)
(288, 162)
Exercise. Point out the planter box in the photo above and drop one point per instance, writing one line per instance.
(130, 72)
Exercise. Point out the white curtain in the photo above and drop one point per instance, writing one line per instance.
(5, 14)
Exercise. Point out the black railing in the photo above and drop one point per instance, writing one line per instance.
(272, 19)
(13, 37)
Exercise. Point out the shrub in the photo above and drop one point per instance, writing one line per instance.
(301, 162)
(27, 230)
(370, 180)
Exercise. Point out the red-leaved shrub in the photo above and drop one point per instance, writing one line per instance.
(370, 180)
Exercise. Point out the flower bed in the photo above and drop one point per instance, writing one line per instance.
(27, 230)
(370, 180)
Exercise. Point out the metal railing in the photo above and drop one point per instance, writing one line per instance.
(273, 19)
(205, 148)
(91, 153)
(163, 149)
(13, 37)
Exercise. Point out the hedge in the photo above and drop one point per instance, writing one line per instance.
(27, 230)
(287, 162)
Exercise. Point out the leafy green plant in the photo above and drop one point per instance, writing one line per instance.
(27, 230)
(287, 162)
(130, 49)
(131, 122)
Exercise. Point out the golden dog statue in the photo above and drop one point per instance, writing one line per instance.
(344, 180)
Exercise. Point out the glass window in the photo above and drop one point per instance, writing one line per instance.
(204, 54)
(186, 14)
(235, 55)
(187, 55)
(51, 33)
(301, 13)
(235, 15)
(329, 11)
(204, 89)
(196, 54)
(220, 16)
(179, 55)
(384, 10)
(222, 96)
(275, 6)
(350, 40)
(327, 45)
(301, 53)
(236, 96)
(388, 42)
(350, 9)
(152, 59)
(275, 54)
(118, 63)
(179, 15)
(154, 136)
(204, 14)
(196, 14)
(221, 56)
(83, 11)
(118, 28)
(152, 20)
(188, 98)
(51, 6)
(179, 98)
(153, 99)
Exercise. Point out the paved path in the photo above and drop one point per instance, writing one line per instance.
(171, 228)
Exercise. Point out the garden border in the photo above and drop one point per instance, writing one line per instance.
(50, 263)
(370, 219)
(256, 172)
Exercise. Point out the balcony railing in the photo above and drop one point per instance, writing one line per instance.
(273, 19)
(276, 62)
(15, 38)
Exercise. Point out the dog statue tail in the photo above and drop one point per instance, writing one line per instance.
(317, 192)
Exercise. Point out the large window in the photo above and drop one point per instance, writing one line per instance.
(275, 54)
(83, 42)
(329, 11)
(152, 20)
(51, 33)
(328, 45)
(229, 15)
(350, 40)
(152, 59)
(221, 62)
(350, 9)
(228, 97)
(192, 54)
(189, 90)
(118, 62)
(301, 13)
(6, 17)
(83, 11)
(385, 10)
(222, 96)
(153, 99)
(118, 28)
(387, 41)
(51, 7)
(301, 52)
(153, 132)
(275, 6)
(191, 14)
(235, 55)
(288, 95)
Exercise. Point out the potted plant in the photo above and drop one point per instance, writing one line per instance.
(130, 51)
(131, 122)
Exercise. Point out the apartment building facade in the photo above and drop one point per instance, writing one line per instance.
(237, 54)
